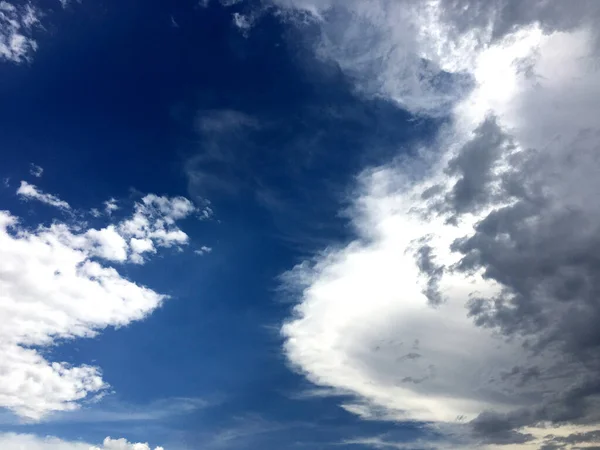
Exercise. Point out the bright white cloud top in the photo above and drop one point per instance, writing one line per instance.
(57, 282)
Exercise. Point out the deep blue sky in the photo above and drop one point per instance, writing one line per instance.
(110, 106)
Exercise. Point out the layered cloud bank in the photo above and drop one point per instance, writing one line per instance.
(12, 441)
(470, 295)
(62, 281)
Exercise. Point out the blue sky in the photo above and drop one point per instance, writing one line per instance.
(239, 224)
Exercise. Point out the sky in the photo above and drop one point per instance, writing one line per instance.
(299, 224)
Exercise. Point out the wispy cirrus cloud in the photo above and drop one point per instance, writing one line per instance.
(36, 170)
(30, 191)
(112, 411)
(16, 25)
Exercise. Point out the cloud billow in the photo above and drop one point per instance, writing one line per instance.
(488, 257)
(62, 282)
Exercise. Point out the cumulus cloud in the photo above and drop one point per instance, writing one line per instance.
(30, 191)
(123, 444)
(203, 250)
(469, 296)
(56, 283)
(12, 441)
(16, 26)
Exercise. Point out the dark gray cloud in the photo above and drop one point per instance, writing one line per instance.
(505, 16)
(523, 375)
(541, 244)
(490, 428)
(552, 442)
(434, 272)
(474, 165)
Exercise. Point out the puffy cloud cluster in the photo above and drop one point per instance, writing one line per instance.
(153, 225)
(470, 295)
(16, 23)
(122, 444)
(12, 441)
(56, 283)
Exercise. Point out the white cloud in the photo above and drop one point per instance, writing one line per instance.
(153, 224)
(16, 23)
(203, 250)
(122, 444)
(365, 326)
(107, 244)
(36, 170)
(382, 44)
(12, 441)
(142, 245)
(243, 22)
(30, 191)
(364, 323)
(110, 206)
(55, 284)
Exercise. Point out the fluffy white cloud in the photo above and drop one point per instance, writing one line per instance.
(123, 444)
(16, 22)
(466, 296)
(12, 441)
(55, 284)
(364, 324)
(29, 191)
(153, 224)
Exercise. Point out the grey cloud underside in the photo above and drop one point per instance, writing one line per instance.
(541, 244)
(434, 272)
(507, 15)
(561, 442)
(475, 165)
